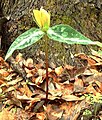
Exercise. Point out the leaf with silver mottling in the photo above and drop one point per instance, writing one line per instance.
(66, 34)
(24, 40)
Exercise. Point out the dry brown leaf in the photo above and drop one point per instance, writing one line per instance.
(71, 98)
(99, 85)
(67, 89)
(13, 101)
(23, 97)
(96, 58)
(29, 63)
(23, 115)
(2, 81)
(41, 116)
(4, 73)
(90, 89)
(58, 86)
(83, 56)
(69, 67)
(71, 70)
(88, 72)
(13, 82)
(29, 100)
(58, 70)
(9, 89)
(53, 112)
(41, 72)
(6, 115)
(97, 67)
(10, 76)
(29, 72)
(38, 80)
(51, 86)
(75, 110)
(66, 107)
(32, 102)
(3, 63)
(72, 110)
(25, 90)
(55, 93)
(91, 61)
(78, 85)
(96, 76)
(19, 58)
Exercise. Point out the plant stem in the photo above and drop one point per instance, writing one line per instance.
(46, 61)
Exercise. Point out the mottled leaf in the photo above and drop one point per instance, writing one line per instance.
(98, 43)
(24, 40)
(66, 34)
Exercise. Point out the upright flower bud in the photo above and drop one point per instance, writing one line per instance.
(42, 18)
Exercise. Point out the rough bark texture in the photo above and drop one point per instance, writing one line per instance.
(83, 15)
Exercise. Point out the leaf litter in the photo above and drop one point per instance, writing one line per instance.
(72, 89)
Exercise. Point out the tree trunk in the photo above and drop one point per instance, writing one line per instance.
(83, 15)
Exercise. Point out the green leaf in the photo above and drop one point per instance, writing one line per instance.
(98, 43)
(99, 52)
(24, 40)
(66, 34)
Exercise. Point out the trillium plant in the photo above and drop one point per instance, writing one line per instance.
(61, 33)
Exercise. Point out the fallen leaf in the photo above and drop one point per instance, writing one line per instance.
(38, 80)
(66, 107)
(6, 115)
(58, 70)
(41, 116)
(67, 89)
(71, 70)
(29, 63)
(13, 82)
(75, 110)
(33, 101)
(13, 101)
(83, 56)
(3, 63)
(99, 85)
(2, 81)
(90, 89)
(96, 58)
(4, 73)
(78, 85)
(24, 89)
(21, 114)
(19, 58)
(53, 112)
(55, 93)
(71, 98)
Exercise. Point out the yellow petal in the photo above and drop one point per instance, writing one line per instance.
(37, 15)
(42, 18)
(45, 17)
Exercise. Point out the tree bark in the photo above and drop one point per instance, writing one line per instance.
(83, 15)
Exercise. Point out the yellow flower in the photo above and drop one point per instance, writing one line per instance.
(42, 18)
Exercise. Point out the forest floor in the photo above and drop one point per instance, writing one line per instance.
(75, 93)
